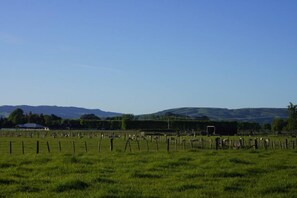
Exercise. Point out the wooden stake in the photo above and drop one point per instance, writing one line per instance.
(48, 147)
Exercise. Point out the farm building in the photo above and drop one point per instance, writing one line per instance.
(31, 126)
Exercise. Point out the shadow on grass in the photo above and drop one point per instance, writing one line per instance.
(104, 180)
(229, 174)
(29, 189)
(71, 185)
(7, 181)
(145, 175)
(240, 161)
(186, 187)
(277, 189)
(6, 165)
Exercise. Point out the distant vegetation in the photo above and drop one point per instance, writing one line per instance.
(173, 119)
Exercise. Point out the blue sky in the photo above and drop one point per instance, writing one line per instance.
(145, 56)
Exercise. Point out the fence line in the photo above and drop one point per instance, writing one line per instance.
(138, 143)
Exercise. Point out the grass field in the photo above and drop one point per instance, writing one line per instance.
(178, 173)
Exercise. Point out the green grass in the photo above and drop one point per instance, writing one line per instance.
(181, 173)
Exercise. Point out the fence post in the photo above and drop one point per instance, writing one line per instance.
(210, 143)
(138, 146)
(73, 147)
(23, 147)
(86, 146)
(217, 143)
(167, 145)
(60, 148)
(286, 143)
(37, 147)
(127, 144)
(175, 144)
(111, 144)
(10, 147)
(256, 144)
(48, 147)
(99, 145)
(147, 145)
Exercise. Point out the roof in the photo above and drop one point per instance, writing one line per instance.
(30, 125)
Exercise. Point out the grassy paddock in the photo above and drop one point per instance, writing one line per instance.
(140, 173)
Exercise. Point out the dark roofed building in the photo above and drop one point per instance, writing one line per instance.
(31, 126)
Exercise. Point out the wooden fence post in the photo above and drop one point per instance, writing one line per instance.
(37, 147)
(256, 144)
(111, 144)
(138, 146)
(191, 144)
(23, 147)
(217, 143)
(147, 145)
(10, 147)
(86, 147)
(167, 145)
(210, 143)
(48, 147)
(287, 146)
(73, 147)
(99, 145)
(60, 148)
(127, 144)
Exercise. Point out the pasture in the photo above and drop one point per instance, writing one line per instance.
(38, 165)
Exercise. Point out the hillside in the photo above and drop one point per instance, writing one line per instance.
(260, 115)
(63, 112)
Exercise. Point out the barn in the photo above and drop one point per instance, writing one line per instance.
(31, 126)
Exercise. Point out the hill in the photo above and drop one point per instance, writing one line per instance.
(260, 115)
(63, 112)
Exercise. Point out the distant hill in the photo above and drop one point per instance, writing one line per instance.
(63, 112)
(260, 115)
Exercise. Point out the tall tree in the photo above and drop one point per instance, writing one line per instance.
(278, 125)
(17, 117)
(292, 120)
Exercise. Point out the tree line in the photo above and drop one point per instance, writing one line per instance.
(129, 121)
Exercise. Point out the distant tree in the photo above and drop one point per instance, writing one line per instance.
(267, 127)
(278, 124)
(89, 117)
(52, 121)
(125, 118)
(292, 119)
(17, 117)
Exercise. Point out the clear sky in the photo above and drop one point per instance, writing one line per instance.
(143, 56)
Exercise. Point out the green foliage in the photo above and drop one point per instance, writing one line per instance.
(17, 117)
(278, 125)
(89, 117)
(292, 120)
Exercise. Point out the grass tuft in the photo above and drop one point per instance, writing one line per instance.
(29, 189)
(7, 181)
(72, 185)
(145, 175)
(228, 174)
(104, 180)
(240, 161)
(188, 187)
(6, 165)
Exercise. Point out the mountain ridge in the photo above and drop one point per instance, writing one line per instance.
(64, 112)
(260, 115)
